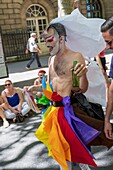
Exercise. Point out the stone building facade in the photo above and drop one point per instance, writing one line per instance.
(13, 12)
(34, 15)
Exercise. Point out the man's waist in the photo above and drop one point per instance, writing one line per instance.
(57, 104)
(33, 51)
(60, 103)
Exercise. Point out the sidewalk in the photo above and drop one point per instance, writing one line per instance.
(20, 75)
(21, 150)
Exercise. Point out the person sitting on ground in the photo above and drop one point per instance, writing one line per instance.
(36, 88)
(36, 92)
(3, 106)
(14, 99)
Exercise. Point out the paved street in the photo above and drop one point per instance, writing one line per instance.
(19, 148)
(18, 72)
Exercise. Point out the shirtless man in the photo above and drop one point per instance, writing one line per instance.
(61, 63)
(60, 74)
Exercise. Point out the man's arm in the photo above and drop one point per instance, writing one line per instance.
(80, 71)
(107, 124)
(27, 47)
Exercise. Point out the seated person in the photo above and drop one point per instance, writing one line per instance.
(14, 99)
(3, 106)
(36, 88)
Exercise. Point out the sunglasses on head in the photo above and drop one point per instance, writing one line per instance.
(8, 84)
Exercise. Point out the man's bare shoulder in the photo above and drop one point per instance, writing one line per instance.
(73, 53)
(76, 56)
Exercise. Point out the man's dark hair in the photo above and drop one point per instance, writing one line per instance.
(60, 29)
(108, 26)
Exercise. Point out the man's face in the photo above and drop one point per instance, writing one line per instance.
(52, 42)
(34, 36)
(41, 75)
(108, 39)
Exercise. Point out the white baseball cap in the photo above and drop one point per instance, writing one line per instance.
(32, 34)
(76, 0)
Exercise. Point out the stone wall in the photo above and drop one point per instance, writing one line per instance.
(108, 8)
(12, 12)
(10, 18)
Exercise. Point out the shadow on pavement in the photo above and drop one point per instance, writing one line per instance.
(20, 149)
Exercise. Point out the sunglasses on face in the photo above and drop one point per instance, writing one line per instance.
(41, 75)
(7, 84)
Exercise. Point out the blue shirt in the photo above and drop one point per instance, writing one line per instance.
(14, 100)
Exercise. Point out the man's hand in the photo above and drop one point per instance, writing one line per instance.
(30, 88)
(80, 70)
(27, 51)
(39, 51)
(76, 90)
(108, 130)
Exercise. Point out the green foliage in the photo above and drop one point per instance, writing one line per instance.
(67, 6)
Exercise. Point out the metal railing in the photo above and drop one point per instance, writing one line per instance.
(14, 44)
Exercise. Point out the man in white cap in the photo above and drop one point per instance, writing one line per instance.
(33, 47)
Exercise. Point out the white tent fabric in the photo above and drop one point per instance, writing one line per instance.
(83, 34)
(96, 92)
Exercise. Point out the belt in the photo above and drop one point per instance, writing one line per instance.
(57, 104)
(60, 104)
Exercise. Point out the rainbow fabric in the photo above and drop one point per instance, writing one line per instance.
(30, 100)
(64, 134)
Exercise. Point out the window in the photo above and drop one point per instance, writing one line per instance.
(36, 18)
(94, 9)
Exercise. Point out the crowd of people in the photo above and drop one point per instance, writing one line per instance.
(66, 129)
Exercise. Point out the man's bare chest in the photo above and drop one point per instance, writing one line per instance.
(61, 68)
